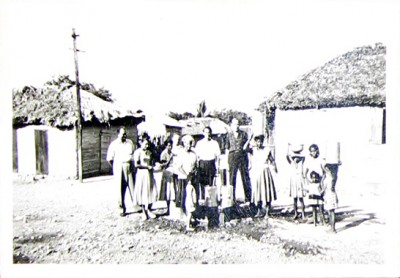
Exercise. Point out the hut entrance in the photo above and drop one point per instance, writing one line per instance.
(41, 149)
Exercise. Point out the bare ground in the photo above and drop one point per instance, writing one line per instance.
(68, 222)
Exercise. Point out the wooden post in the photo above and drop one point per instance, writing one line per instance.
(78, 126)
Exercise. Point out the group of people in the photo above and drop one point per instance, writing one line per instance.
(314, 178)
(189, 172)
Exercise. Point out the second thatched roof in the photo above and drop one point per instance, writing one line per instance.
(54, 107)
(357, 78)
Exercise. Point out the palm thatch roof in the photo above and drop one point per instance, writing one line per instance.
(54, 107)
(356, 78)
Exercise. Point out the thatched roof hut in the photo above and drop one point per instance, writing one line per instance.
(342, 101)
(52, 107)
(44, 131)
(356, 78)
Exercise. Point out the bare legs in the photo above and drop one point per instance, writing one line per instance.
(263, 210)
(301, 200)
(332, 220)
(147, 213)
(189, 228)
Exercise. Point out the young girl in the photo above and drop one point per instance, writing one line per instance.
(167, 190)
(296, 161)
(145, 192)
(263, 187)
(330, 196)
(314, 195)
(313, 162)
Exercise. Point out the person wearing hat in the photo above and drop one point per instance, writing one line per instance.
(237, 148)
(296, 161)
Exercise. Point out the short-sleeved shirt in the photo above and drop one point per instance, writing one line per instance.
(187, 161)
(120, 152)
(207, 149)
(167, 156)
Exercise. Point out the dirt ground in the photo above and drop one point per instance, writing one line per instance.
(65, 222)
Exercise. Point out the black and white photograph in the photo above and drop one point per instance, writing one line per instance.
(170, 138)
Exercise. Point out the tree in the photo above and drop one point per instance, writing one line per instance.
(63, 82)
(180, 116)
(201, 109)
(226, 115)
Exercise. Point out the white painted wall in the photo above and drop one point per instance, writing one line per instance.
(61, 151)
(26, 151)
(352, 127)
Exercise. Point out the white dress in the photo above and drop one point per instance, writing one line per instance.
(297, 180)
(145, 191)
(262, 182)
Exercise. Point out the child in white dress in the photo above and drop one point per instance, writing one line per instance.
(296, 161)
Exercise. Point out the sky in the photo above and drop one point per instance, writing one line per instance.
(161, 56)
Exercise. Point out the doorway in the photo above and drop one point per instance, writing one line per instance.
(41, 149)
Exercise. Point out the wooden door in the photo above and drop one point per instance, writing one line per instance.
(41, 149)
(15, 151)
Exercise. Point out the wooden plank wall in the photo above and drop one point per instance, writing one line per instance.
(90, 151)
(95, 142)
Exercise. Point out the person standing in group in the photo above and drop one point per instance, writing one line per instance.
(263, 188)
(186, 167)
(314, 163)
(330, 196)
(297, 192)
(208, 152)
(237, 148)
(145, 192)
(119, 156)
(167, 188)
(314, 195)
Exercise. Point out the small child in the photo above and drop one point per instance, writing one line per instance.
(190, 205)
(296, 161)
(330, 196)
(314, 195)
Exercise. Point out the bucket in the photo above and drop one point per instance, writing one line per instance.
(332, 152)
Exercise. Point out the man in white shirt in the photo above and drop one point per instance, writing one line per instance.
(120, 156)
(208, 152)
(186, 165)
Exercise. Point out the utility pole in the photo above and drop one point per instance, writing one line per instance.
(78, 126)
